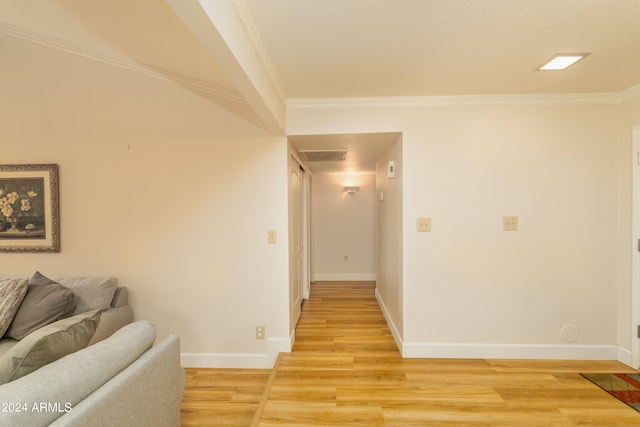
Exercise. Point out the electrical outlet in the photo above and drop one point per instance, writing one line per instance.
(510, 223)
(272, 237)
(423, 225)
(260, 332)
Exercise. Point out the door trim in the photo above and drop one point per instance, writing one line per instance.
(635, 257)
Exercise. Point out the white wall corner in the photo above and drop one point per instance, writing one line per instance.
(275, 346)
(624, 356)
(392, 326)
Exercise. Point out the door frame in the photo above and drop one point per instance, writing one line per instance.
(306, 267)
(307, 233)
(635, 247)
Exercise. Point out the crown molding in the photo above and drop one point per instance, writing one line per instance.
(411, 102)
(300, 104)
(218, 91)
(630, 93)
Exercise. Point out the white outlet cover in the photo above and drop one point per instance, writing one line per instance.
(423, 225)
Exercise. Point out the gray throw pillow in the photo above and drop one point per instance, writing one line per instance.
(48, 344)
(12, 292)
(91, 292)
(46, 302)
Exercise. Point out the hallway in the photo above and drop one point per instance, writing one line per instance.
(343, 317)
(345, 370)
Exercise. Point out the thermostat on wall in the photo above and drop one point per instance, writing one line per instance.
(391, 169)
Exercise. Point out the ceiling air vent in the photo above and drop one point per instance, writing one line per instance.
(323, 155)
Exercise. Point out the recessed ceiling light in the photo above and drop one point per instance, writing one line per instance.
(562, 61)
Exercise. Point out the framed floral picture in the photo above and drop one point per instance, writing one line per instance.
(29, 214)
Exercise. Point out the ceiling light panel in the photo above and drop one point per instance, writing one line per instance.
(562, 61)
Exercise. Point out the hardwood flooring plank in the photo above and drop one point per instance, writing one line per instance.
(222, 397)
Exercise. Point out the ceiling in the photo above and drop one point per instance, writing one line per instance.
(350, 48)
(362, 48)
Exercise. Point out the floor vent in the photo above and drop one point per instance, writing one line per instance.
(323, 155)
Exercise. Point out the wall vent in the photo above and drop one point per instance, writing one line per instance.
(323, 155)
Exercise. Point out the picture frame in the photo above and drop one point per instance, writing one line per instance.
(29, 209)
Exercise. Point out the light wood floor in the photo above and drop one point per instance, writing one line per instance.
(345, 370)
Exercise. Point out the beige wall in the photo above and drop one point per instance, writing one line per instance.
(470, 288)
(162, 188)
(344, 226)
(172, 193)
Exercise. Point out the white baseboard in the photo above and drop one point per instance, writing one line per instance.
(238, 360)
(359, 277)
(225, 360)
(503, 351)
(397, 337)
(425, 351)
(510, 351)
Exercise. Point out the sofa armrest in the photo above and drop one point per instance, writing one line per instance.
(64, 384)
(146, 393)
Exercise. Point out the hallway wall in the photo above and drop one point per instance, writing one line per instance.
(471, 289)
(344, 229)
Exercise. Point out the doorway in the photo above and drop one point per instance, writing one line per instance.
(366, 154)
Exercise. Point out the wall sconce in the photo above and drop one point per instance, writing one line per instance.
(352, 189)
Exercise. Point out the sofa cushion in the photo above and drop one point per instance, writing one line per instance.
(91, 292)
(46, 301)
(12, 292)
(48, 344)
(71, 379)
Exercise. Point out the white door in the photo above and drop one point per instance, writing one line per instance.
(296, 252)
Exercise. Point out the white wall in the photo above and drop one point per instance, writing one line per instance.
(344, 226)
(629, 259)
(389, 283)
(469, 288)
(161, 188)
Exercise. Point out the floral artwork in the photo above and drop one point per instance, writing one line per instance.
(29, 208)
(22, 208)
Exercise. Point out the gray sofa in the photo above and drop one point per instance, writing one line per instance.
(120, 381)
(87, 367)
